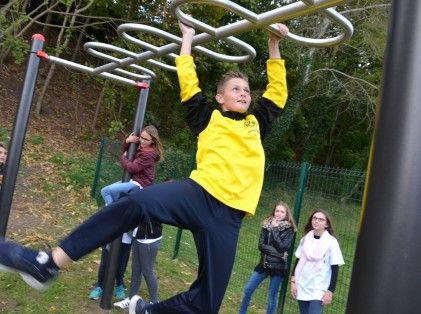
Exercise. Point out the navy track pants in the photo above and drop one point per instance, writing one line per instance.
(181, 203)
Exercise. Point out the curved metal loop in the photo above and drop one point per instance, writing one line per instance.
(94, 47)
(165, 50)
(264, 20)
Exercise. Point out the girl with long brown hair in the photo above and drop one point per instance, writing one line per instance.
(275, 239)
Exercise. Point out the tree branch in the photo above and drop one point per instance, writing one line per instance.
(333, 71)
(375, 6)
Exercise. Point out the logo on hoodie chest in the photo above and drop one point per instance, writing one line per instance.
(251, 126)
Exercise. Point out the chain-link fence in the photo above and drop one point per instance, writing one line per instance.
(304, 187)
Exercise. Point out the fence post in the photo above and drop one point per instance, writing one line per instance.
(98, 168)
(177, 243)
(304, 169)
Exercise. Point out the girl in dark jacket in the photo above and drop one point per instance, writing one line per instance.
(275, 239)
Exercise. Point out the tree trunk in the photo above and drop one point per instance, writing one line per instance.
(79, 41)
(120, 105)
(98, 105)
(38, 106)
(45, 29)
(82, 32)
(331, 146)
(295, 102)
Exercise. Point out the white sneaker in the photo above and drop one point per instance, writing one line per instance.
(123, 304)
(137, 305)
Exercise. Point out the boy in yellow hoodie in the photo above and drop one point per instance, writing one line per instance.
(225, 186)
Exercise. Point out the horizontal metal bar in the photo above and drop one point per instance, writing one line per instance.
(86, 69)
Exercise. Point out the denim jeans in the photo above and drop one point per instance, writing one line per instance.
(111, 193)
(310, 307)
(255, 280)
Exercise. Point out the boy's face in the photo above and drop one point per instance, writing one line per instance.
(3, 155)
(235, 96)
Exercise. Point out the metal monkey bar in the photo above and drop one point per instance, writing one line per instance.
(114, 68)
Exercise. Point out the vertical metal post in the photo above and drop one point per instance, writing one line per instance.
(113, 256)
(19, 131)
(386, 272)
(297, 211)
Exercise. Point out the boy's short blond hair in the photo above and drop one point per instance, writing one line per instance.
(3, 145)
(228, 76)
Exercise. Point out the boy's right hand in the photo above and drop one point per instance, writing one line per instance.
(186, 29)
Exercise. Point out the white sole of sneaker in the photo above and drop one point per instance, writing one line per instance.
(31, 281)
(123, 304)
(132, 305)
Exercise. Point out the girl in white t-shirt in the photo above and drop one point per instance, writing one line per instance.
(316, 269)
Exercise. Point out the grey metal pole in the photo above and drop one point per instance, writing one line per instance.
(113, 256)
(302, 181)
(386, 276)
(19, 131)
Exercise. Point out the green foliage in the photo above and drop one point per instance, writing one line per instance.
(4, 135)
(115, 127)
(57, 158)
(18, 46)
(80, 172)
(183, 139)
(75, 171)
(36, 139)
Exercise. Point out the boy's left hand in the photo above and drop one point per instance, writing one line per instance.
(186, 29)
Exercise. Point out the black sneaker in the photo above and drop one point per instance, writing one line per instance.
(36, 268)
(138, 306)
